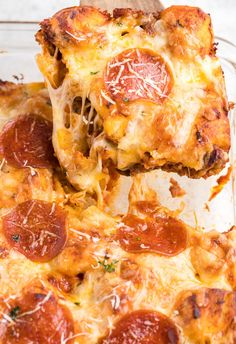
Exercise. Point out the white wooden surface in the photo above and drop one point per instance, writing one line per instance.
(223, 12)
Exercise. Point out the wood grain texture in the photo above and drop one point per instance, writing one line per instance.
(145, 5)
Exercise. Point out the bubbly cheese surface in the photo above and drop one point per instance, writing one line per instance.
(70, 272)
(115, 277)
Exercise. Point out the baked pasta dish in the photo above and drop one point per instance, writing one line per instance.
(125, 93)
(134, 92)
(75, 274)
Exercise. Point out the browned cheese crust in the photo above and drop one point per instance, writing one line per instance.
(211, 310)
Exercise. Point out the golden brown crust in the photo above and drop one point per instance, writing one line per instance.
(100, 281)
(20, 99)
(207, 315)
(18, 185)
(214, 254)
(75, 20)
(127, 12)
(182, 22)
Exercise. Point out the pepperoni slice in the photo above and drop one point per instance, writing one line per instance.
(143, 327)
(166, 236)
(37, 229)
(138, 74)
(27, 141)
(38, 318)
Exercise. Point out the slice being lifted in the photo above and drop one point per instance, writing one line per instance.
(134, 91)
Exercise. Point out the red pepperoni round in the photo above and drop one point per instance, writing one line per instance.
(37, 229)
(143, 327)
(27, 141)
(138, 74)
(37, 318)
(166, 236)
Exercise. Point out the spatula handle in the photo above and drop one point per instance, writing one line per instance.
(145, 5)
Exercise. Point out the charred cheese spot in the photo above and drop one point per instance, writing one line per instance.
(207, 315)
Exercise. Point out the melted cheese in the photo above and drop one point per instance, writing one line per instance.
(104, 297)
(140, 132)
(107, 282)
(136, 281)
(88, 175)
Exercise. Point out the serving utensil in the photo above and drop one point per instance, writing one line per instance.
(145, 5)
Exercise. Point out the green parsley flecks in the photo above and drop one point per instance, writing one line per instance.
(108, 267)
(14, 312)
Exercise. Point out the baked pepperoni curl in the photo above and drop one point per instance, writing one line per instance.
(38, 318)
(37, 229)
(138, 74)
(166, 236)
(143, 327)
(27, 141)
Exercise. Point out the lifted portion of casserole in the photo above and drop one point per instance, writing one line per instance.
(134, 92)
